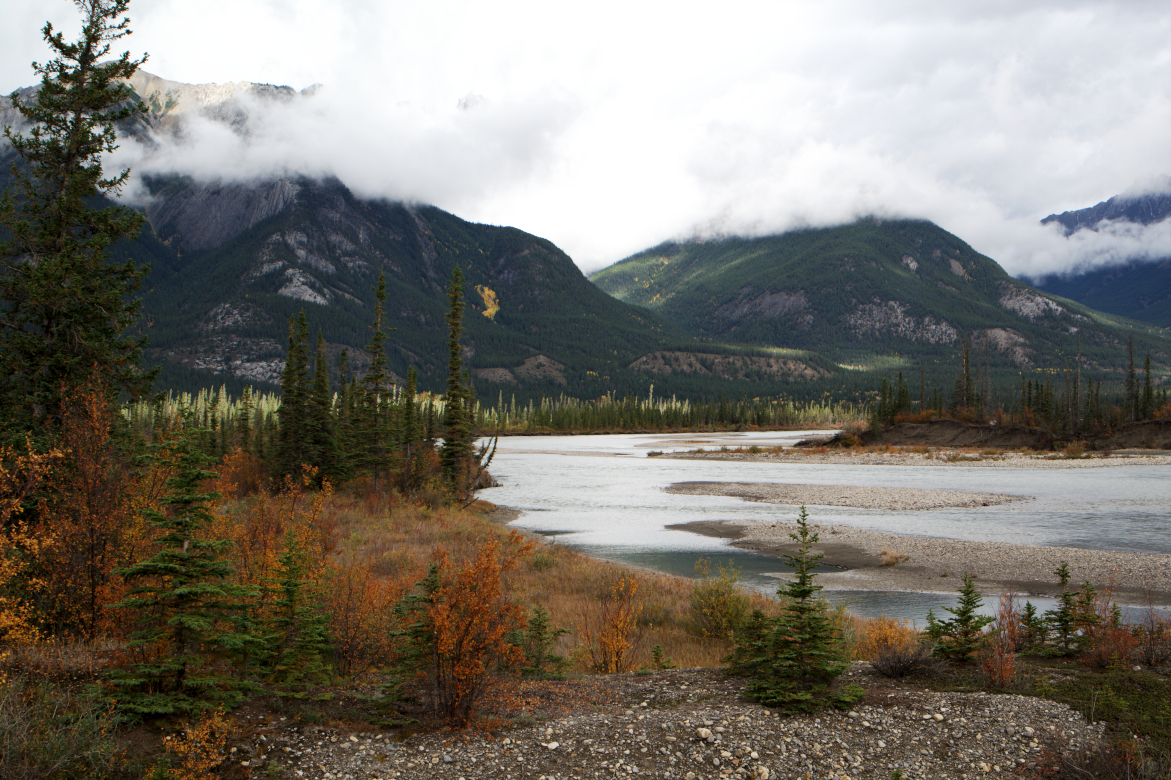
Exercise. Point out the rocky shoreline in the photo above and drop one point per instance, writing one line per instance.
(932, 457)
(872, 560)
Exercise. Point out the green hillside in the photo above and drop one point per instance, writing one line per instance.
(901, 292)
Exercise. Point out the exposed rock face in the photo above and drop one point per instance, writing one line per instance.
(169, 101)
(227, 316)
(1144, 209)
(203, 216)
(1030, 305)
(882, 318)
(1006, 341)
(724, 366)
(541, 367)
(788, 305)
(251, 359)
(500, 375)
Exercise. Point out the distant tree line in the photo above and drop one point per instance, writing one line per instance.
(1066, 402)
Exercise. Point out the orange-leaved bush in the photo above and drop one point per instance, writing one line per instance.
(457, 625)
(607, 629)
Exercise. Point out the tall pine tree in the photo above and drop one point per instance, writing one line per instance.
(374, 423)
(64, 309)
(293, 438)
(456, 451)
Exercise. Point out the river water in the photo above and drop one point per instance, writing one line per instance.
(604, 496)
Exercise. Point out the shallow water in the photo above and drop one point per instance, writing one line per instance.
(604, 496)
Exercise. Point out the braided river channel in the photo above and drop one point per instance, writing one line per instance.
(605, 496)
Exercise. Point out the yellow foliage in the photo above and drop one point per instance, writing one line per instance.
(195, 754)
(488, 296)
(883, 633)
(606, 633)
(20, 475)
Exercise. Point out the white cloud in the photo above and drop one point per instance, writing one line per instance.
(610, 127)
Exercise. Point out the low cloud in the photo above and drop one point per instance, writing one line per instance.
(455, 156)
(643, 126)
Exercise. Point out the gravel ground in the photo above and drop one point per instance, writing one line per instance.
(1014, 460)
(690, 724)
(934, 564)
(897, 499)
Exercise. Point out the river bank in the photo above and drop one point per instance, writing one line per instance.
(872, 560)
(930, 457)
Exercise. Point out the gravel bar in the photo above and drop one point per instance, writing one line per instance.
(899, 499)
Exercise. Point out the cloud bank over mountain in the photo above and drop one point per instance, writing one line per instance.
(612, 128)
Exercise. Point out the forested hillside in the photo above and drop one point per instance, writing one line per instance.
(902, 293)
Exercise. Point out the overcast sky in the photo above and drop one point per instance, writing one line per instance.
(608, 127)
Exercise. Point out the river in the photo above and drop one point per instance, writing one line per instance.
(604, 496)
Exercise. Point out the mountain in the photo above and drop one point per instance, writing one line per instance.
(1142, 208)
(232, 261)
(1139, 288)
(901, 292)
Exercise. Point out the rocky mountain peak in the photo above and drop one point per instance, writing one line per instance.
(1144, 205)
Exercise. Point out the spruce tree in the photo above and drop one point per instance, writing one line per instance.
(293, 439)
(793, 660)
(457, 424)
(962, 635)
(64, 309)
(297, 641)
(375, 407)
(321, 442)
(185, 604)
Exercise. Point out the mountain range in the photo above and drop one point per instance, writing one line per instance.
(1139, 288)
(802, 313)
(865, 291)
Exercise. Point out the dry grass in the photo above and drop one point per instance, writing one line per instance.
(893, 557)
(398, 539)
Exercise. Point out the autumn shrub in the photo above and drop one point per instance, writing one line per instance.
(197, 751)
(21, 474)
(882, 633)
(926, 415)
(94, 513)
(46, 731)
(899, 661)
(359, 608)
(997, 656)
(718, 605)
(1112, 645)
(242, 474)
(606, 635)
(456, 626)
(1154, 637)
(894, 648)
